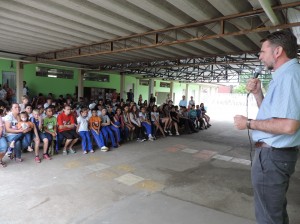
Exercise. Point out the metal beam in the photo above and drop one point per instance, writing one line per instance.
(162, 37)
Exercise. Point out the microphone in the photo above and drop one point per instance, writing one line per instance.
(257, 72)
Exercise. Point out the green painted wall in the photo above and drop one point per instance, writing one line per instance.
(143, 90)
(130, 81)
(47, 85)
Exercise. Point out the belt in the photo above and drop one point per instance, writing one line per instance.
(262, 145)
(265, 145)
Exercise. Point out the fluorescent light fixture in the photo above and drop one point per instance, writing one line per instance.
(52, 76)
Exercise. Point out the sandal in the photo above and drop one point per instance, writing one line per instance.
(3, 164)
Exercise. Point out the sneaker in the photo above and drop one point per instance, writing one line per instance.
(29, 149)
(84, 152)
(104, 149)
(72, 151)
(9, 151)
(151, 139)
(37, 159)
(45, 156)
(170, 133)
(92, 151)
(177, 133)
(139, 140)
(65, 152)
(143, 140)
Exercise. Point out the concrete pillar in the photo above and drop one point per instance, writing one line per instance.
(171, 90)
(151, 88)
(200, 88)
(19, 81)
(123, 93)
(136, 94)
(80, 84)
(187, 92)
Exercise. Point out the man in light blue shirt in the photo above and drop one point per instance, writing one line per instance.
(183, 102)
(276, 127)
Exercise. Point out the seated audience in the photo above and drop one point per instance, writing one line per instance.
(95, 125)
(205, 116)
(146, 122)
(26, 127)
(106, 131)
(25, 101)
(83, 130)
(50, 126)
(11, 131)
(66, 127)
(155, 120)
(175, 118)
(39, 135)
(135, 120)
(3, 143)
(129, 127)
(71, 120)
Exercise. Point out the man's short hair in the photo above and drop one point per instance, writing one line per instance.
(286, 40)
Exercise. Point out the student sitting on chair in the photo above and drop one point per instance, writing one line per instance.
(95, 125)
(39, 135)
(66, 127)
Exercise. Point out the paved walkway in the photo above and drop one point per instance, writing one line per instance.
(202, 178)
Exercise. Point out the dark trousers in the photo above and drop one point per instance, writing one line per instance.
(139, 131)
(271, 171)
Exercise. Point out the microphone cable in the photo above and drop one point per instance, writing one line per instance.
(256, 73)
(248, 130)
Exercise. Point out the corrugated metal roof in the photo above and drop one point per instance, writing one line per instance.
(33, 27)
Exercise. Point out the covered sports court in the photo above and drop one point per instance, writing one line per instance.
(176, 47)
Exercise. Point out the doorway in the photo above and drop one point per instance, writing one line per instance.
(10, 79)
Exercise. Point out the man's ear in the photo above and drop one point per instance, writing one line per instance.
(278, 51)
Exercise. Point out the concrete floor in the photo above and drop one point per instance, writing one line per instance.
(202, 178)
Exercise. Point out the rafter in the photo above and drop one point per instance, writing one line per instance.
(162, 37)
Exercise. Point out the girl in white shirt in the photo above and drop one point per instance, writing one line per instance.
(146, 123)
(83, 130)
(155, 119)
(135, 120)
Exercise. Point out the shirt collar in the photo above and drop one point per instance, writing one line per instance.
(283, 67)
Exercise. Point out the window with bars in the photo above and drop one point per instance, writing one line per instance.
(54, 73)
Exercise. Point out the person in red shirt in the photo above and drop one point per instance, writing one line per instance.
(66, 127)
